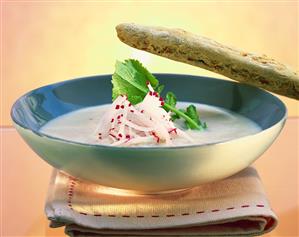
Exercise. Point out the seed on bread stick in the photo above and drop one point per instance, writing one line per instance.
(182, 46)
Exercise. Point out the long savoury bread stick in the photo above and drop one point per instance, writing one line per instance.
(196, 50)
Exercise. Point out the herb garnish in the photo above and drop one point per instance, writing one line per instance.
(130, 78)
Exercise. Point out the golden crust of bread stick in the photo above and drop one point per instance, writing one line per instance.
(182, 46)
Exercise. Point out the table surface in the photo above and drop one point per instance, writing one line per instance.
(25, 180)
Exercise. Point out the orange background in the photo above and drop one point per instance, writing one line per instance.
(47, 41)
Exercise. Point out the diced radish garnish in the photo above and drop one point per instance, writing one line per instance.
(145, 123)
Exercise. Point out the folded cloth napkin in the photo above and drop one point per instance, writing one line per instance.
(236, 206)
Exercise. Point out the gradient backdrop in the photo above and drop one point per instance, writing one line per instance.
(49, 41)
(46, 42)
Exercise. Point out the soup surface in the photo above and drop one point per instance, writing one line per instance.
(223, 125)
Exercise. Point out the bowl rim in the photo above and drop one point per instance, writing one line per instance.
(40, 134)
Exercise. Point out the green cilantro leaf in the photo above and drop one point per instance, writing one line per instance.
(170, 99)
(130, 78)
(159, 88)
(192, 113)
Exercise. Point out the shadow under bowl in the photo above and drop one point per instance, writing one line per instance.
(149, 169)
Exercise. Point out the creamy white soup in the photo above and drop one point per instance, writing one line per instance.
(223, 125)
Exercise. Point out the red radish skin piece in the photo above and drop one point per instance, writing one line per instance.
(173, 130)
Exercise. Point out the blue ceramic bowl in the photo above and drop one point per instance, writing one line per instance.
(151, 169)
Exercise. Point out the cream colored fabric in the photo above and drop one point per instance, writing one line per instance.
(233, 206)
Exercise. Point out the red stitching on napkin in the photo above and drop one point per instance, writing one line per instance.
(70, 193)
(200, 212)
(72, 184)
(185, 214)
(215, 210)
(170, 215)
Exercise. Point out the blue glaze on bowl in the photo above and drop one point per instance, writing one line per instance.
(150, 169)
